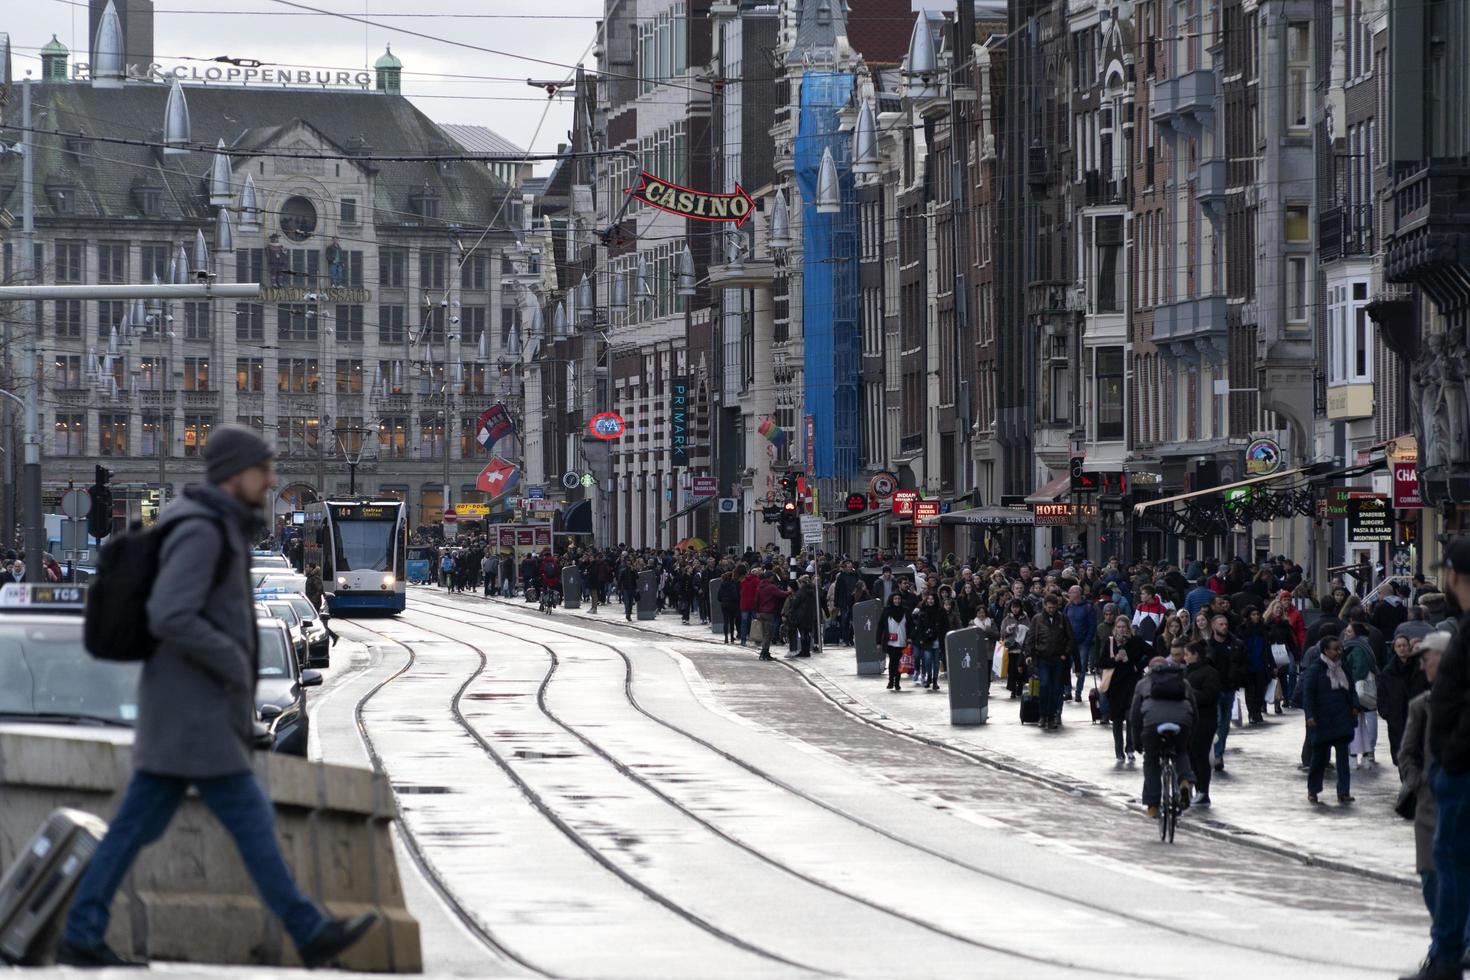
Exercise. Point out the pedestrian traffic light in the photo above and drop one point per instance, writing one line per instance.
(99, 518)
(790, 522)
(788, 486)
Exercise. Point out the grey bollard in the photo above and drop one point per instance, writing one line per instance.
(716, 614)
(871, 660)
(571, 587)
(969, 677)
(648, 594)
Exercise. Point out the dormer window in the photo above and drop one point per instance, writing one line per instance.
(150, 201)
(63, 198)
(425, 203)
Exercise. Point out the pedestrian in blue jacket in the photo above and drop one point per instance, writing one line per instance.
(1330, 706)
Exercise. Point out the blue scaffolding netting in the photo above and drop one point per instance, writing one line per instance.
(831, 339)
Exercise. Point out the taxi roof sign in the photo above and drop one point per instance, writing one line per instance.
(22, 597)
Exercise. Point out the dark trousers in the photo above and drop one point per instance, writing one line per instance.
(1053, 677)
(895, 654)
(1321, 751)
(1451, 910)
(769, 623)
(1200, 740)
(1255, 694)
(731, 616)
(1153, 765)
(148, 804)
(1119, 718)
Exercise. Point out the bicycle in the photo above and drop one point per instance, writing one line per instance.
(1169, 808)
(549, 600)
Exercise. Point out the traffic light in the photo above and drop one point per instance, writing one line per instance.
(790, 521)
(788, 486)
(99, 518)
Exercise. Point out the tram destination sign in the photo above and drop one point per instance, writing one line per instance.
(363, 512)
(689, 203)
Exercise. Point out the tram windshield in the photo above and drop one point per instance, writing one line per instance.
(364, 546)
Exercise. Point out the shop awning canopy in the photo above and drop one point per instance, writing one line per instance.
(576, 518)
(862, 517)
(1195, 494)
(1050, 493)
(686, 509)
(989, 516)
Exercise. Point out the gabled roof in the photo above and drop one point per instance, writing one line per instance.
(105, 174)
(480, 139)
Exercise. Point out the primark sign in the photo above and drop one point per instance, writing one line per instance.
(238, 75)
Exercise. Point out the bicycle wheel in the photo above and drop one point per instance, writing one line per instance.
(1168, 798)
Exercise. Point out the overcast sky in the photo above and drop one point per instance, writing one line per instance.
(496, 95)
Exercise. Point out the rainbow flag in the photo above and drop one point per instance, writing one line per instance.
(772, 432)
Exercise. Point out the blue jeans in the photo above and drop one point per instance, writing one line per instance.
(1080, 663)
(1451, 866)
(1053, 677)
(929, 664)
(1320, 753)
(745, 619)
(1222, 720)
(1289, 679)
(148, 804)
(844, 626)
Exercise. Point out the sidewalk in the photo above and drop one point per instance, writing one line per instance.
(1259, 800)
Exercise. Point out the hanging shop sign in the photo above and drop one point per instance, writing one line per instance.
(1370, 518)
(856, 503)
(1406, 486)
(905, 502)
(926, 510)
(883, 485)
(1063, 514)
(704, 486)
(689, 203)
(606, 425)
(679, 421)
(1262, 457)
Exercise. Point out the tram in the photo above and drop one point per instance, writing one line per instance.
(362, 548)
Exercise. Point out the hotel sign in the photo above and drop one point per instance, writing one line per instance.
(1063, 515)
(245, 74)
(687, 203)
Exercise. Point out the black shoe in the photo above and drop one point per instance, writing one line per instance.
(1436, 970)
(91, 957)
(334, 938)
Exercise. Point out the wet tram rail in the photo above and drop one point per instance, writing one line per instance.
(710, 818)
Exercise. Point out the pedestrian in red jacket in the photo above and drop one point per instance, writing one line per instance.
(749, 587)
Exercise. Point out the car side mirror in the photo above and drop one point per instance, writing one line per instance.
(260, 736)
(311, 678)
(270, 712)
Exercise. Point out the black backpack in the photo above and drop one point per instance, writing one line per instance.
(1168, 685)
(116, 624)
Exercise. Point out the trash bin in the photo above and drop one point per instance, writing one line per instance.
(648, 594)
(871, 661)
(571, 587)
(716, 614)
(969, 677)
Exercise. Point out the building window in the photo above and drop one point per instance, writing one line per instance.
(66, 371)
(249, 264)
(1111, 287)
(349, 377)
(69, 434)
(249, 374)
(297, 435)
(1351, 340)
(431, 331)
(112, 262)
(249, 321)
(110, 313)
(390, 325)
(112, 435)
(475, 272)
(476, 378)
(1298, 226)
(153, 373)
(1109, 374)
(349, 211)
(1296, 288)
(69, 318)
(157, 434)
(196, 374)
(433, 268)
(295, 322)
(349, 324)
(153, 261)
(393, 436)
(392, 268)
(196, 433)
(391, 374)
(151, 199)
(196, 321)
(431, 437)
(473, 327)
(510, 318)
(1298, 73)
(299, 375)
(256, 422)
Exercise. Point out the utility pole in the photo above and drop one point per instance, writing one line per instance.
(35, 529)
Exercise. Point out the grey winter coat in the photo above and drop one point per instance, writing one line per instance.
(1147, 712)
(1415, 760)
(196, 698)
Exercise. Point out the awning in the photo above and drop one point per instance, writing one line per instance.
(688, 508)
(862, 517)
(1140, 508)
(576, 517)
(989, 516)
(1050, 493)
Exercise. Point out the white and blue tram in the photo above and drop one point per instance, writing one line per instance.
(361, 547)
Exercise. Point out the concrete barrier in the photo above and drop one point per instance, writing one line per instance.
(189, 897)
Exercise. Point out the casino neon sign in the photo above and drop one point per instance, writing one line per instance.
(689, 203)
(606, 425)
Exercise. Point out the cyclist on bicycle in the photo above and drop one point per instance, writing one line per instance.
(1163, 697)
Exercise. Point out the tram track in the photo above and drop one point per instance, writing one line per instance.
(544, 808)
(539, 626)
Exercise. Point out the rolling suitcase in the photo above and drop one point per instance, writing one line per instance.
(39, 884)
(1031, 702)
(1093, 699)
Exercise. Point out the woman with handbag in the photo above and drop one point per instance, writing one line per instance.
(893, 636)
(1281, 638)
(1123, 662)
(1361, 665)
(1013, 629)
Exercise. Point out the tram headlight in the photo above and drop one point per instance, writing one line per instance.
(342, 581)
(388, 581)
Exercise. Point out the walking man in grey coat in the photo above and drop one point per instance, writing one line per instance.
(196, 710)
